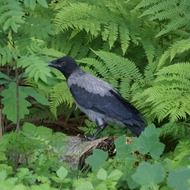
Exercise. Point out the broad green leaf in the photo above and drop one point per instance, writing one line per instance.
(29, 129)
(42, 187)
(37, 96)
(123, 150)
(10, 103)
(97, 159)
(101, 186)
(44, 132)
(2, 156)
(115, 175)
(179, 179)
(83, 185)
(62, 173)
(19, 187)
(149, 142)
(23, 172)
(147, 174)
(3, 175)
(102, 174)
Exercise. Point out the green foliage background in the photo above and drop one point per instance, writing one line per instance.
(141, 47)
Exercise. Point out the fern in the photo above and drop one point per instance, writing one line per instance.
(35, 67)
(176, 130)
(177, 48)
(124, 71)
(38, 27)
(176, 13)
(80, 16)
(60, 94)
(7, 54)
(169, 96)
(32, 3)
(11, 15)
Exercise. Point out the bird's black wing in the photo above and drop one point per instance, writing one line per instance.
(111, 105)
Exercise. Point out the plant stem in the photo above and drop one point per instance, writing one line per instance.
(17, 99)
(1, 123)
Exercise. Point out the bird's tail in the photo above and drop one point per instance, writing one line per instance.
(136, 126)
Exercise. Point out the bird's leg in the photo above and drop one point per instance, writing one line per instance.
(100, 127)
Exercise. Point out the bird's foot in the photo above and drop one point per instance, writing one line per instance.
(89, 138)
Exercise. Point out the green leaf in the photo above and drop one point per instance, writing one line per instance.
(3, 175)
(123, 150)
(97, 159)
(124, 38)
(43, 3)
(37, 96)
(10, 103)
(149, 142)
(2, 156)
(29, 129)
(147, 174)
(35, 67)
(4, 76)
(179, 179)
(12, 15)
(102, 174)
(83, 185)
(115, 175)
(62, 173)
(44, 132)
(30, 4)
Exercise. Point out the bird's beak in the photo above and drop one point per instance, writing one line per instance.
(51, 64)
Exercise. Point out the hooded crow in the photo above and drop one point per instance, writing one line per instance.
(98, 99)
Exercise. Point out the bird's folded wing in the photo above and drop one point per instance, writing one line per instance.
(110, 104)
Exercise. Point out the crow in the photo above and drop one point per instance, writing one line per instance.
(98, 99)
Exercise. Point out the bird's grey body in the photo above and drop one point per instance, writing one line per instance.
(89, 83)
(98, 100)
(92, 85)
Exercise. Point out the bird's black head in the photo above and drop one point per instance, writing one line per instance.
(66, 65)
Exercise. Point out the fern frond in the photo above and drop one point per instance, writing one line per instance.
(6, 55)
(35, 67)
(38, 27)
(175, 13)
(123, 71)
(77, 16)
(11, 15)
(177, 48)
(124, 38)
(160, 6)
(60, 94)
(80, 16)
(178, 69)
(31, 4)
(146, 3)
(175, 130)
(169, 94)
